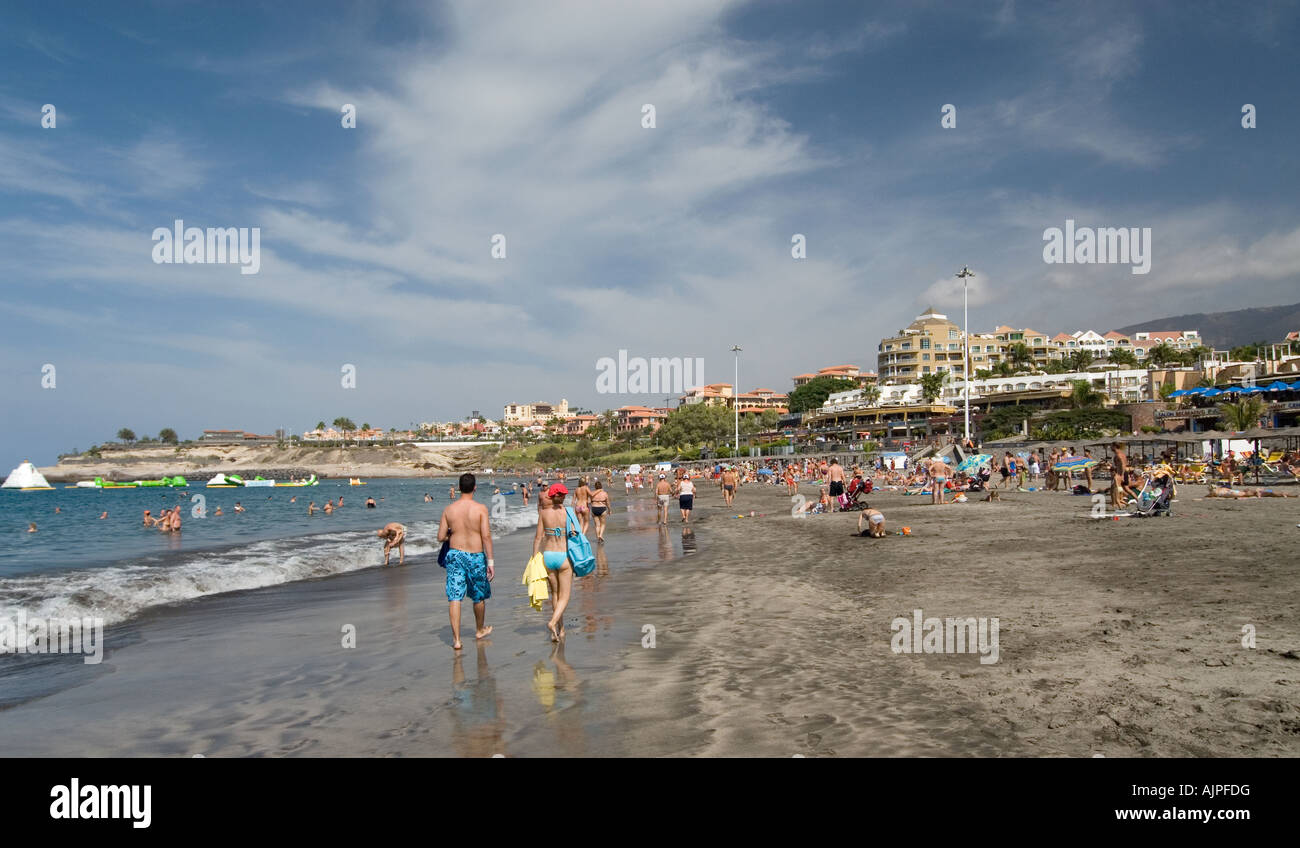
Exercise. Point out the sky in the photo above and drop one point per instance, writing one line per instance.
(525, 119)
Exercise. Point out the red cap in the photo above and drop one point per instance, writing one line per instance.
(556, 489)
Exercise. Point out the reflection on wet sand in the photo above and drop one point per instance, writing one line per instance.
(559, 694)
(478, 712)
(589, 595)
(688, 541)
(395, 597)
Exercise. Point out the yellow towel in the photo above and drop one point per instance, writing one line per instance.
(535, 580)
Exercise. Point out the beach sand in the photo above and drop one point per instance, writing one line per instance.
(772, 637)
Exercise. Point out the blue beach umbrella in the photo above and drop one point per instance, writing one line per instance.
(1181, 393)
(1227, 389)
(1211, 393)
(1277, 386)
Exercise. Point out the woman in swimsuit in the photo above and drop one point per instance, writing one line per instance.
(551, 542)
(580, 500)
(686, 498)
(599, 506)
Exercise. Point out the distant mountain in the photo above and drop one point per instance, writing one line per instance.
(1224, 330)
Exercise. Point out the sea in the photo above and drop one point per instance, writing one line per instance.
(78, 564)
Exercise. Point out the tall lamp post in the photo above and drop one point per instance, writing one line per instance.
(964, 275)
(735, 398)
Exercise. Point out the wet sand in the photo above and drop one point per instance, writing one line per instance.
(771, 638)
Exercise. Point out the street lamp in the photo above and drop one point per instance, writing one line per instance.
(964, 275)
(735, 398)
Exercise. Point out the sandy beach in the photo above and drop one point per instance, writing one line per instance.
(772, 637)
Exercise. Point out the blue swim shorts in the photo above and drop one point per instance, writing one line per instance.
(467, 575)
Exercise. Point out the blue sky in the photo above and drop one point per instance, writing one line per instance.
(524, 119)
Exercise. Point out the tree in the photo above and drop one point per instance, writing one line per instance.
(365, 426)
(1055, 366)
(345, 424)
(320, 425)
(932, 385)
(126, 434)
(1020, 357)
(1166, 389)
(813, 393)
(1004, 369)
(1121, 356)
(1242, 414)
(870, 394)
(1083, 395)
(984, 373)
(1247, 352)
(1164, 354)
(1077, 360)
(168, 436)
(769, 418)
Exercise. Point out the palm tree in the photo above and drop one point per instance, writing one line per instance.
(1242, 414)
(932, 385)
(1083, 395)
(870, 394)
(1020, 357)
(1164, 354)
(1122, 356)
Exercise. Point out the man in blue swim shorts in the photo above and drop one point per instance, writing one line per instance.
(469, 559)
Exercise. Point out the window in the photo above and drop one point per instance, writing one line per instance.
(925, 344)
(953, 334)
(926, 357)
(905, 346)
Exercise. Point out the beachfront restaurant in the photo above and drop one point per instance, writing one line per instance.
(1200, 410)
(902, 422)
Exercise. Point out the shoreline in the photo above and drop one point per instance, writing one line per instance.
(772, 638)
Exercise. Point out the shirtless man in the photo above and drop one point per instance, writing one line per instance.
(394, 536)
(174, 523)
(835, 477)
(311, 508)
(581, 502)
(1120, 474)
(728, 481)
(663, 491)
(939, 474)
(871, 523)
(329, 507)
(525, 491)
(469, 559)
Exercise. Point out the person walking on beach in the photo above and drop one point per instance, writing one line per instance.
(394, 536)
(728, 482)
(686, 498)
(835, 477)
(599, 506)
(581, 498)
(551, 541)
(663, 491)
(469, 559)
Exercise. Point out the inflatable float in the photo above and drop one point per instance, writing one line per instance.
(26, 478)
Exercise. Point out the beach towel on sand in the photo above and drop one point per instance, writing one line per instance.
(535, 580)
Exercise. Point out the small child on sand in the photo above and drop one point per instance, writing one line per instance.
(874, 520)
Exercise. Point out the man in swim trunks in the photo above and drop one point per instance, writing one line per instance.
(469, 559)
(394, 536)
(835, 477)
(1121, 478)
(728, 481)
(938, 477)
(871, 523)
(663, 491)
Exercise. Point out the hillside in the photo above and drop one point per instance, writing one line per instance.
(1224, 330)
(200, 462)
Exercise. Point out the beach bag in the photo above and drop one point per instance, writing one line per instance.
(580, 555)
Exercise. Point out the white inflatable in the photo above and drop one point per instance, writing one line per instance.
(25, 476)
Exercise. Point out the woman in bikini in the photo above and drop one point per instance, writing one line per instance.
(599, 506)
(581, 497)
(551, 542)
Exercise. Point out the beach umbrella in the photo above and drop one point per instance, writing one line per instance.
(1277, 386)
(973, 463)
(1252, 389)
(1211, 393)
(1074, 463)
(1227, 389)
(1182, 393)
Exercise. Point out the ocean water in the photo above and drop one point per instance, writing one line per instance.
(79, 565)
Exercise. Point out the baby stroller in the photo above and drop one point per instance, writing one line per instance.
(1156, 497)
(852, 499)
